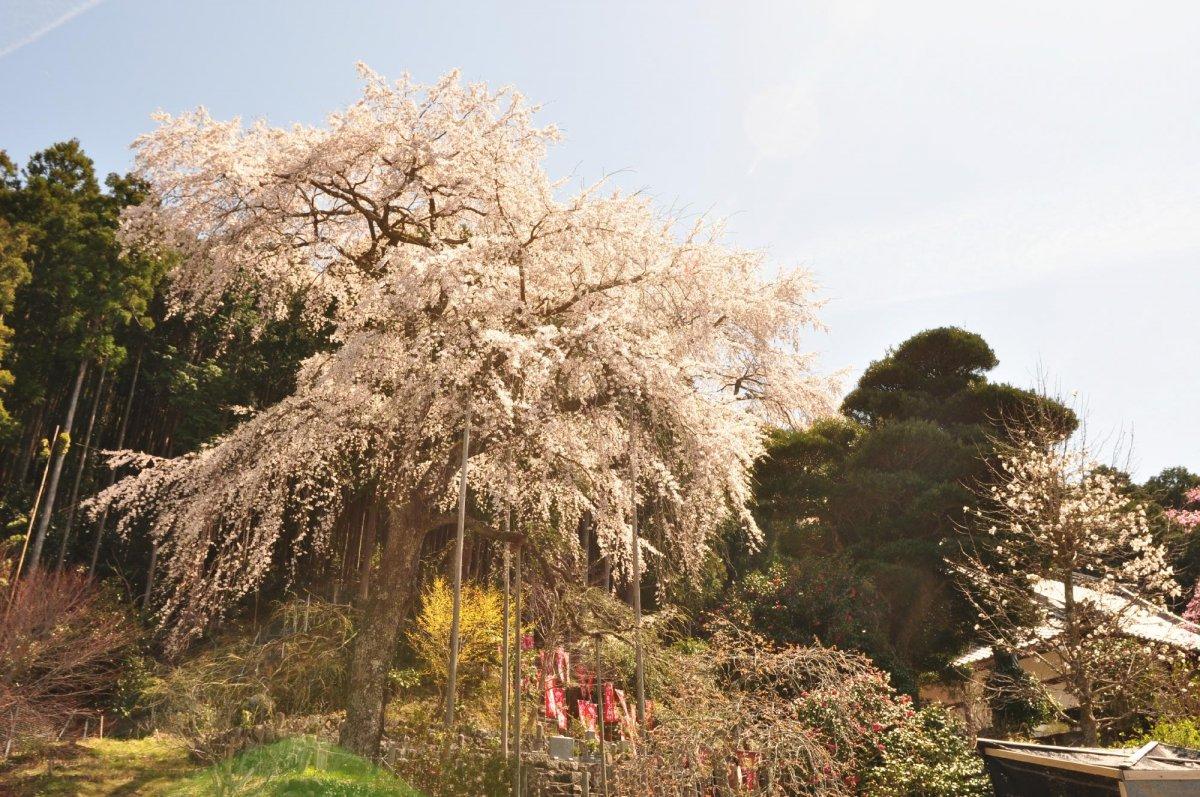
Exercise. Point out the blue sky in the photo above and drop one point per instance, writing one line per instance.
(1030, 171)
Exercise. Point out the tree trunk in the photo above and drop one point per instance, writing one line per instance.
(1088, 726)
(366, 552)
(393, 591)
(149, 590)
(1079, 678)
(112, 474)
(73, 502)
(29, 451)
(59, 454)
(168, 452)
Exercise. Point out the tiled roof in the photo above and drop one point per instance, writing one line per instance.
(1139, 617)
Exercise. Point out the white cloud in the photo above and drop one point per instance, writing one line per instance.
(1003, 241)
(26, 22)
(781, 121)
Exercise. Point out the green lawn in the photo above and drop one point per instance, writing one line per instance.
(159, 767)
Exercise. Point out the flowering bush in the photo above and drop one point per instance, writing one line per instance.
(479, 632)
(1189, 516)
(927, 756)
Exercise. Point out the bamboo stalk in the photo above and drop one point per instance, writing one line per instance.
(84, 453)
(112, 474)
(59, 456)
(37, 501)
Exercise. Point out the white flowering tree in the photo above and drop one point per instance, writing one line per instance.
(1060, 563)
(462, 283)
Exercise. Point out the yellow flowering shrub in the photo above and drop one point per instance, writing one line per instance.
(480, 629)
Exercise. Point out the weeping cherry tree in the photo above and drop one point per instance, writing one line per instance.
(575, 330)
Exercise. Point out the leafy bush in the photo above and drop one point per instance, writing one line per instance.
(816, 598)
(927, 756)
(1183, 732)
(1017, 700)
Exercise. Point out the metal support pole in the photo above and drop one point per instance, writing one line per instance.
(458, 560)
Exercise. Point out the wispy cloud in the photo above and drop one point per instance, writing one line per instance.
(782, 120)
(31, 20)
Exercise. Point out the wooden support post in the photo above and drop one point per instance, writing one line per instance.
(456, 615)
(600, 717)
(517, 677)
(505, 653)
(639, 652)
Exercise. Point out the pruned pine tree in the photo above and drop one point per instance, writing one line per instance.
(456, 273)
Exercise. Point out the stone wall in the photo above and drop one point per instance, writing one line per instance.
(543, 776)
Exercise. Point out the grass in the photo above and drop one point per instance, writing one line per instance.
(159, 767)
(102, 768)
(296, 767)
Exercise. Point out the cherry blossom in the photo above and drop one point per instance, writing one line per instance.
(573, 330)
